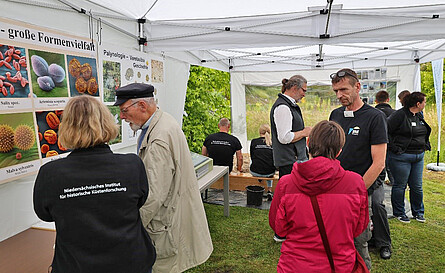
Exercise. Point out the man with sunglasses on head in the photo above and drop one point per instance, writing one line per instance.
(364, 151)
(173, 214)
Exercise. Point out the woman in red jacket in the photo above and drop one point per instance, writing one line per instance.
(343, 202)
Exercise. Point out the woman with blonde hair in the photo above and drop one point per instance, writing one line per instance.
(94, 196)
(261, 156)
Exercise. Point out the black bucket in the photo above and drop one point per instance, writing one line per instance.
(255, 195)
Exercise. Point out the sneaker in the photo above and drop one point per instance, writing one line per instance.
(420, 218)
(404, 219)
(269, 196)
(278, 239)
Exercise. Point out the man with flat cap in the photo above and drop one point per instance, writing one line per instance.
(173, 214)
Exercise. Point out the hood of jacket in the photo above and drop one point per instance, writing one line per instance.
(317, 175)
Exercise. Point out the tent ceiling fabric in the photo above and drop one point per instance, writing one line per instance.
(358, 38)
(252, 35)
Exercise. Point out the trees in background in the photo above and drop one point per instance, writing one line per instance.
(427, 82)
(207, 101)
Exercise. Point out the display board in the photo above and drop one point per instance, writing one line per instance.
(372, 81)
(120, 67)
(40, 70)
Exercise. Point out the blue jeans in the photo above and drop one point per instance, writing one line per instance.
(407, 169)
(269, 182)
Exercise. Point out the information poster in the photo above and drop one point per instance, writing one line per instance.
(39, 70)
(121, 67)
(372, 81)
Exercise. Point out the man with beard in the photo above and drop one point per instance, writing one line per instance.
(364, 151)
(173, 214)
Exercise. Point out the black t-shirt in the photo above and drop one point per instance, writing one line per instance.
(221, 148)
(261, 156)
(366, 128)
(419, 131)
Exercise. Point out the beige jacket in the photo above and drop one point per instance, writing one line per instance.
(173, 214)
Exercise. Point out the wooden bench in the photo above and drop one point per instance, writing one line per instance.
(239, 182)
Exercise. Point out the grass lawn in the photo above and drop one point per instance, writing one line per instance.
(243, 242)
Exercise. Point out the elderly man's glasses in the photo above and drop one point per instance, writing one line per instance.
(341, 74)
(125, 110)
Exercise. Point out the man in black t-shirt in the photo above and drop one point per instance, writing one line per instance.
(364, 151)
(221, 147)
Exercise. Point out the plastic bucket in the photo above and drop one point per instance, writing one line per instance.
(255, 195)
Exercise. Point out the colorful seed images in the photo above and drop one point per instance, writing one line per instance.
(13, 74)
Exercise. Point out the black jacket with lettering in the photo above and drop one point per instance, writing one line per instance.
(94, 196)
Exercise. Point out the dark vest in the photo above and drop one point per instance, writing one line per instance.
(287, 154)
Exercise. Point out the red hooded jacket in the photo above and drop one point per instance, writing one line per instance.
(343, 202)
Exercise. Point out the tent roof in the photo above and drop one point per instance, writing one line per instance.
(156, 10)
(254, 35)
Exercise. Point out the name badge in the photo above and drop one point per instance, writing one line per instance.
(348, 114)
(413, 123)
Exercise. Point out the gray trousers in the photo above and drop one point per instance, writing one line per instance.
(361, 241)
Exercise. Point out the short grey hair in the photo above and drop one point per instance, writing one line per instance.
(148, 100)
(224, 122)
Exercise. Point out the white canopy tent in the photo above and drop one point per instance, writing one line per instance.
(253, 35)
(240, 37)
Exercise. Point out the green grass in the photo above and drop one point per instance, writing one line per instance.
(243, 242)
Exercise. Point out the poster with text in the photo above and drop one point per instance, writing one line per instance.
(14, 80)
(122, 67)
(34, 88)
(19, 153)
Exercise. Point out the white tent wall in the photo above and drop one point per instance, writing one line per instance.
(176, 78)
(403, 75)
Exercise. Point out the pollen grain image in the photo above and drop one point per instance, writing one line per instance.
(18, 142)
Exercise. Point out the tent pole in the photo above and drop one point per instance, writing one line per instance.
(142, 40)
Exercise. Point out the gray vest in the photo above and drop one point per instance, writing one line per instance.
(287, 154)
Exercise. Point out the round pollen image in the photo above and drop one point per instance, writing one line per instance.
(129, 74)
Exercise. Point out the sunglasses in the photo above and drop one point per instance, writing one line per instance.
(341, 74)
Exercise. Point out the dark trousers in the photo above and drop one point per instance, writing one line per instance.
(388, 171)
(283, 170)
(379, 218)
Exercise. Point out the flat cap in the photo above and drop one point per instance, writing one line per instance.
(133, 91)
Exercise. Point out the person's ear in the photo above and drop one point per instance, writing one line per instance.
(358, 86)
